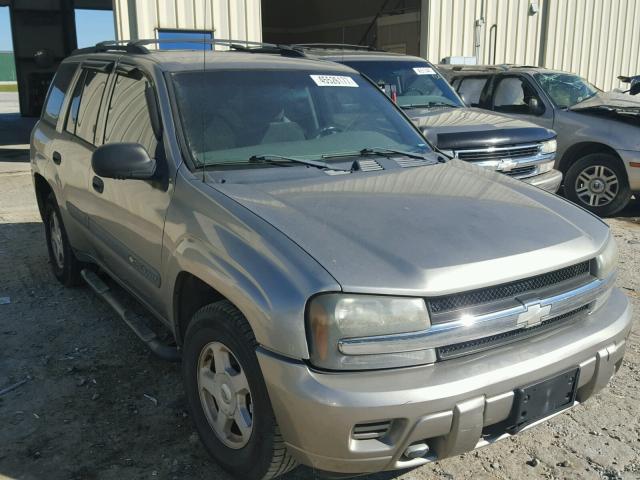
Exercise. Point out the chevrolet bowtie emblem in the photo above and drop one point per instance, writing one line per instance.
(533, 315)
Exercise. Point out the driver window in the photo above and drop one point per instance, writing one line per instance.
(514, 95)
(128, 118)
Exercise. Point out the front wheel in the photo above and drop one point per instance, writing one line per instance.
(64, 264)
(227, 395)
(598, 182)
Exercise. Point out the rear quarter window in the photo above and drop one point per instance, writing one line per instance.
(57, 92)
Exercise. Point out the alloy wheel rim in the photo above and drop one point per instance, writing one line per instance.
(56, 240)
(597, 185)
(225, 395)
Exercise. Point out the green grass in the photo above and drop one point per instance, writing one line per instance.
(9, 87)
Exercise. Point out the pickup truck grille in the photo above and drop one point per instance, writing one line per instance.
(448, 352)
(514, 152)
(447, 303)
(522, 171)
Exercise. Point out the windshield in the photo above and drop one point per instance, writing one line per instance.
(412, 83)
(230, 116)
(565, 89)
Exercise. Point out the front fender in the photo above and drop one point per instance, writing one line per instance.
(263, 273)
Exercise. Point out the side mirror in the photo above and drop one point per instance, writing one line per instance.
(635, 88)
(123, 161)
(535, 106)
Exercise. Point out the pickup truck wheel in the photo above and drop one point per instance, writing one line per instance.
(598, 183)
(64, 264)
(227, 396)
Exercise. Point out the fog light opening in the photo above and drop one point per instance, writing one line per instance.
(417, 450)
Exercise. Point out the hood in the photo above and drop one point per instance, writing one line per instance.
(459, 128)
(613, 100)
(424, 230)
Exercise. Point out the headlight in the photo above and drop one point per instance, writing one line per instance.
(546, 167)
(335, 317)
(550, 146)
(607, 260)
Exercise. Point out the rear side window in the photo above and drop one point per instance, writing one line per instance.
(57, 92)
(470, 89)
(85, 104)
(128, 118)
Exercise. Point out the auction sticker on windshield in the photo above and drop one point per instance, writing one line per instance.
(424, 70)
(333, 81)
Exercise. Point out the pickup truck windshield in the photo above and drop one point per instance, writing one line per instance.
(230, 116)
(565, 89)
(413, 83)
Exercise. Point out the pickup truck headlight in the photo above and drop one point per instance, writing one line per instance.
(545, 167)
(334, 317)
(607, 260)
(550, 146)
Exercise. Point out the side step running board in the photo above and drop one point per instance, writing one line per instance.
(135, 323)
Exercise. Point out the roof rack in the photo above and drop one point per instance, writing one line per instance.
(472, 68)
(336, 46)
(139, 46)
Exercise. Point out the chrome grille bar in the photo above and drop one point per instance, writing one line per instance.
(471, 327)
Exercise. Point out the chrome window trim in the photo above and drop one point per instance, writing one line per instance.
(472, 327)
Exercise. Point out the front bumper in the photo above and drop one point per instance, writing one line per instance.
(448, 405)
(631, 160)
(549, 181)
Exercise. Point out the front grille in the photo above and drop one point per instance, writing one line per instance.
(368, 431)
(480, 344)
(447, 303)
(522, 171)
(476, 155)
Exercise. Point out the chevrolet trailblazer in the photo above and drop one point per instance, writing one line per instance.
(339, 295)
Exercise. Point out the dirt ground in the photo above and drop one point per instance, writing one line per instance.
(97, 405)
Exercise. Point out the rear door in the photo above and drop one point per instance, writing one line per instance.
(127, 216)
(470, 89)
(515, 95)
(73, 146)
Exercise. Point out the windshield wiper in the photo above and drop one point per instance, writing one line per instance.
(275, 159)
(385, 152)
(428, 105)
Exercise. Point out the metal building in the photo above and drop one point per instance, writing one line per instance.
(599, 39)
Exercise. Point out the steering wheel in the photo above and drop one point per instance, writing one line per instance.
(328, 130)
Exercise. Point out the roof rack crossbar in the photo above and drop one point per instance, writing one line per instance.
(335, 46)
(139, 46)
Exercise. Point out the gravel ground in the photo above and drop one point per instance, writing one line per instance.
(98, 405)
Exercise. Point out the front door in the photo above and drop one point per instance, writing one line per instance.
(515, 95)
(127, 216)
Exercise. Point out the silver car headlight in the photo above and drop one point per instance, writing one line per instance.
(550, 146)
(546, 167)
(607, 260)
(335, 317)
(605, 266)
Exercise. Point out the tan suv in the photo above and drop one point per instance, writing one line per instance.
(339, 295)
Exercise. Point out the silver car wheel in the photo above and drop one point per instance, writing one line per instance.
(55, 234)
(225, 395)
(597, 185)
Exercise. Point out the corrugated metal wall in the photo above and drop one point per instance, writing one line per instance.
(236, 19)
(598, 39)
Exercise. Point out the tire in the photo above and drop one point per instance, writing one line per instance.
(598, 182)
(66, 268)
(220, 329)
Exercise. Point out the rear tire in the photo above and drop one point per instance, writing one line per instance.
(598, 182)
(227, 396)
(66, 268)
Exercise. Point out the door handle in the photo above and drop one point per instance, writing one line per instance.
(57, 158)
(98, 184)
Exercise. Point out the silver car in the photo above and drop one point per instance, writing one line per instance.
(598, 133)
(340, 297)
